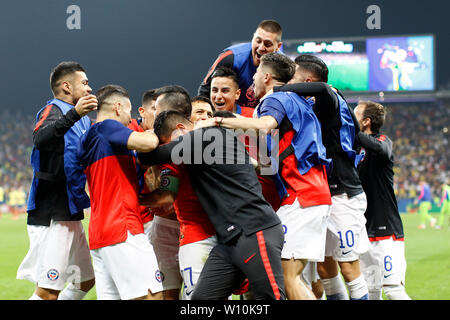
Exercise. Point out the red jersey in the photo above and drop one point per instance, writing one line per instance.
(311, 188)
(110, 169)
(194, 222)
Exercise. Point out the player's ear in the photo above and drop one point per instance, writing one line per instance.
(66, 87)
(117, 108)
(141, 111)
(238, 93)
(279, 45)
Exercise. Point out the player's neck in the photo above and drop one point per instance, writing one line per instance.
(65, 98)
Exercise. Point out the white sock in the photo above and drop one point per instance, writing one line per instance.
(358, 289)
(35, 297)
(334, 288)
(396, 292)
(71, 293)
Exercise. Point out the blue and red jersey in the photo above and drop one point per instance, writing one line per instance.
(302, 156)
(110, 168)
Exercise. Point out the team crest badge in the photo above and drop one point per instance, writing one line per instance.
(159, 276)
(53, 274)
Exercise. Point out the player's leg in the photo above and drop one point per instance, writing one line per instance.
(372, 269)
(394, 264)
(445, 210)
(105, 286)
(331, 280)
(81, 272)
(296, 289)
(305, 234)
(311, 278)
(165, 235)
(347, 226)
(219, 276)
(192, 258)
(258, 256)
(54, 254)
(133, 267)
(425, 217)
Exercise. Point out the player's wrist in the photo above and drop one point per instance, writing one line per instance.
(218, 121)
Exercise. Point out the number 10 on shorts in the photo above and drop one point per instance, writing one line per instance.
(347, 239)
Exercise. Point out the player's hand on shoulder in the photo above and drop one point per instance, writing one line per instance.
(211, 122)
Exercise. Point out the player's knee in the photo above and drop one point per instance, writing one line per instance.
(47, 294)
(350, 270)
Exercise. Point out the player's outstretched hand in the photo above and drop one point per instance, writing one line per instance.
(211, 122)
(86, 104)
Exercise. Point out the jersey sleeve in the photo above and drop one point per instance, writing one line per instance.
(53, 125)
(379, 145)
(272, 107)
(326, 101)
(169, 177)
(225, 59)
(115, 132)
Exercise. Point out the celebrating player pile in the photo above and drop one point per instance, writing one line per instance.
(185, 203)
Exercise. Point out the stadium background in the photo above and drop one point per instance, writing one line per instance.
(146, 44)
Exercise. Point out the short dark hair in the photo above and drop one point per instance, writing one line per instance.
(148, 96)
(203, 99)
(107, 91)
(271, 26)
(166, 122)
(62, 69)
(281, 66)
(176, 98)
(224, 114)
(313, 64)
(226, 72)
(375, 112)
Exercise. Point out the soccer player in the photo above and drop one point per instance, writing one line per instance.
(424, 201)
(124, 261)
(165, 232)
(302, 168)
(225, 92)
(145, 122)
(384, 265)
(58, 249)
(249, 233)
(346, 235)
(444, 204)
(197, 235)
(245, 58)
(202, 108)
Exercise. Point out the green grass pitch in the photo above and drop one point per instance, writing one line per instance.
(427, 255)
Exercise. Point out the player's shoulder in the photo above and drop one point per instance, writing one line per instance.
(382, 138)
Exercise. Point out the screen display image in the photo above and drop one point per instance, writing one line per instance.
(400, 63)
(373, 64)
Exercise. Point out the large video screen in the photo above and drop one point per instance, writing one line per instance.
(403, 63)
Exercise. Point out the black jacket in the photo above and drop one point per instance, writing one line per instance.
(51, 195)
(377, 177)
(227, 187)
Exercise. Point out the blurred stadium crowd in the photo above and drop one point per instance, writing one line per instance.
(420, 132)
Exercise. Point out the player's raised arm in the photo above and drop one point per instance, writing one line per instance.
(142, 141)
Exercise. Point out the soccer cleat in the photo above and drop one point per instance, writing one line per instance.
(432, 222)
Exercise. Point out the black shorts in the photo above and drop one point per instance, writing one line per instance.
(256, 257)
